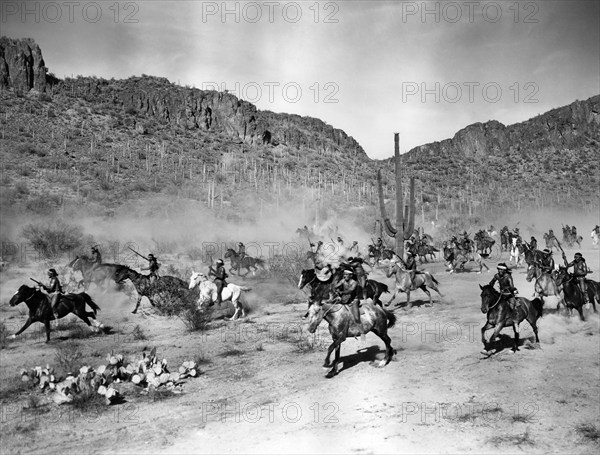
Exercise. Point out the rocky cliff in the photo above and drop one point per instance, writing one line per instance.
(21, 65)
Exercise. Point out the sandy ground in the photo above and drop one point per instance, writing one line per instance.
(263, 389)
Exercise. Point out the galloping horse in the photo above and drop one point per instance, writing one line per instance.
(551, 242)
(595, 235)
(376, 255)
(569, 238)
(517, 251)
(208, 293)
(97, 274)
(483, 241)
(422, 249)
(532, 256)
(321, 289)
(498, 316)
(455, 255)
(40, 309)
(342, 325)
(545, 286)
(423, 280)
(247, 263)
(573, 296)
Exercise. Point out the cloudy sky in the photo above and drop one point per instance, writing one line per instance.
(371, 68)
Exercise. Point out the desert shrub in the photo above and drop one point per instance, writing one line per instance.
(43, 205)
(21, 188)
(68, 356)
(53, 239)
(195, 319)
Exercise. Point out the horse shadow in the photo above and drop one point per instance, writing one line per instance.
(368, 354)
(414, 303)
(506, 342)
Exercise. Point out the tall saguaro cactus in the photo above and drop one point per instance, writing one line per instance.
(405, 222)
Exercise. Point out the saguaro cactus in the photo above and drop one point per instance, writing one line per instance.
(405, 222)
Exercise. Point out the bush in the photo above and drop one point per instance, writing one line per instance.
(68, 357)
(51, 240)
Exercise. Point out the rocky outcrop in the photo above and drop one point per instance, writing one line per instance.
(572, 126)
(22, 66)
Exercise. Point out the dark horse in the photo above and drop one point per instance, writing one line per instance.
(573, 296)
(378, 255)
(341, 325)
(97, 274)
(41, 311)
(247, 263)
(145, 287)
(497, 310)
(320, 289)
(422, 249)
(483, 242)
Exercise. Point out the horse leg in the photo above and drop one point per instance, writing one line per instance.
(389, 351)
(423, 288)
(334, 345)
(336, 360)
(27, 324)
(408, 304)
(393, 296)
(485, 327)
(516, 331)
(533, 324)
(47, 326)
(580, 311)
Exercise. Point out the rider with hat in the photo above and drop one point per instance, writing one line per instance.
(241, 250)
(580, 270)
(53, 290)
(533, 243)
(547, 263)
(507, 287)
(379, 245)
(361, 276)
(220, 279)
(347, 290)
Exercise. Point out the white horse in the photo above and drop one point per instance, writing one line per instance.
(596, 235)
(517, 252)
(208, 293)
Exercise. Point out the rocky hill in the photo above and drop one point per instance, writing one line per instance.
(101, 144)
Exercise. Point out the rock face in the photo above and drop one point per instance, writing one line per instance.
(212, 111)
(572, 126)
(21, 65)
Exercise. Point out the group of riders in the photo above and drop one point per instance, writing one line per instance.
(354, 276)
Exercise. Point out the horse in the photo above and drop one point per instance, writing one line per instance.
(247, 262)
(544, 286)
(341, 325)
(421, 250)
(98, 274)
(423, 280)
(569, 238)
(595, 235)
(208, 293)
(454, 256)
(377, 255)
(40, 309)
(532, 256)
(517, 251)
(573, 296)
(551, 242)
(321, 289)
(145, 287)
(506, 237)
(497, 308)
(484, 242)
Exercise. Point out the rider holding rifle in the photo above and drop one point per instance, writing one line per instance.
(348, 290)
(580, 270)
(220, 276)
(53, 290)
(507, 287)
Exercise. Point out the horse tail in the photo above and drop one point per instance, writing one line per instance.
(538, 304)
(433, 279)
(95, 308)
(385, 288)
(391, 318)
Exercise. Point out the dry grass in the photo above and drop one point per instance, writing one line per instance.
(589, 431)
(522, 439)
(68, 356)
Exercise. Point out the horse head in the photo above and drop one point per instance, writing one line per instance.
(196, 278)
(23, 293)
(531, 272)
(230, 253)
(489, 296)
(316, 314)
(306, 276)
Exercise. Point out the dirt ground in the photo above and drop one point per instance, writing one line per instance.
(263, 389)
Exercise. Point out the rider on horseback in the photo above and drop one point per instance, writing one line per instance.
(547, 264)
(580, 270)
(507, 287)
(153, 267)
(241, 251)
(96, 256)
(347, 290)
(465, 242)
(53, 290)
(220, 276)
(379, 245)
(533, 243)
(411, 264)
(359, 271)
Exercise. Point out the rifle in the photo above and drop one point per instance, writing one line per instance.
(36, 282)
(143, 257)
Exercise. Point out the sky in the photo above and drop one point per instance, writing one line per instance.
(371, 68)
